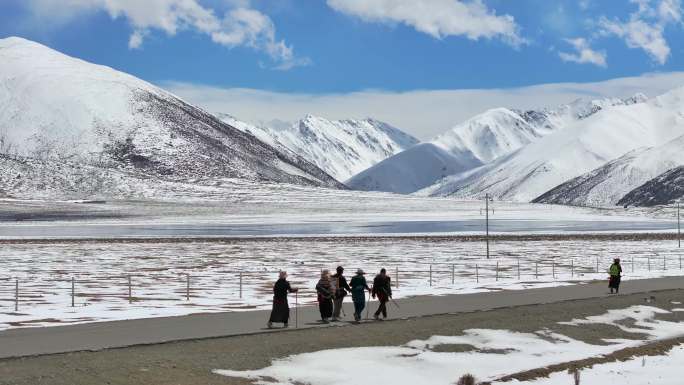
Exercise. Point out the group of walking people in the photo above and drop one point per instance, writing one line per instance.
(331, 291)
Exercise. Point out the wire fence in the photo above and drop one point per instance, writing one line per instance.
(244, 289)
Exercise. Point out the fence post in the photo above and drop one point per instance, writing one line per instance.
(73, 292)
(649, 263)
(16, 295)
(518, 268)
(572, 268)
(396, 276)
(553, 269)
(680, 261)
(477, 274)
(497, 271)
(453, 274)
(430, 275)
(130, 290)
(664, 263)
(632, 264)
(597, 265)
(187, 288)
(240, 284)
(536, 269)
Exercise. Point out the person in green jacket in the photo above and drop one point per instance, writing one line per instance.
(359, 286)
(615, 272)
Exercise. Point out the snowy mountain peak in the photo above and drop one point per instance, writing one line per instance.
(58, 110)
(636, 98)
(584, 145)
(489, 135)
(342, 148)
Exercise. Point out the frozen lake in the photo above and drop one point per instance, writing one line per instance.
(469, 226)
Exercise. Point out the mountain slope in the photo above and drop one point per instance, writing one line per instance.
(60, 109)
(412, 169)
(607, 184)
(475, 142)
(664, 189)
(342, 148)
(572, 151)
(485, 137)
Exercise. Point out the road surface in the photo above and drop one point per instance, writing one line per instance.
(98, 336)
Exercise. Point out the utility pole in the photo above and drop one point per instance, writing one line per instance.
(487, 222)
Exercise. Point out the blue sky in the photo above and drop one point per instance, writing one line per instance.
(342, 52)
(243, 56)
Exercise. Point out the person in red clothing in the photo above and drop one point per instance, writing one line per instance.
(325, 296)
(382, 288)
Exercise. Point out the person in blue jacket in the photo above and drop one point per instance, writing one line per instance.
(359, 286)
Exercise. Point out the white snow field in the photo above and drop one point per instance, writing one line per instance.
(495, 353)
(647, 370)
(217, 270)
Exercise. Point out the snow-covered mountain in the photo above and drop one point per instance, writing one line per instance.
(667, 188)
(606, 185)
(466, 146)
(55, 108)
(342, 148)
(476, 142)
(567, 153)
(413, 169)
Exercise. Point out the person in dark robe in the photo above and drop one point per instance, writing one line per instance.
(281, 309)
(382, 288)
(615, 272)
(358, 291)
(325, 296)
(339, 281)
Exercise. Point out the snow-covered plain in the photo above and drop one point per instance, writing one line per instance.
(159, 272)
(495, 353)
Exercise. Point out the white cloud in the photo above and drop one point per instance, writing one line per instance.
(437, 18)
(240, 26)
(646, 27)
(584, 54)
(136, 40)
(421, 113)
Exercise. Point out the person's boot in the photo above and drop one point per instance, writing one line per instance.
(376, 317)
(270, 325)
(285, 325)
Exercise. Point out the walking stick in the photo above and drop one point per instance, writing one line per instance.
(368, 305)
(297, 309)
(391, 299)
